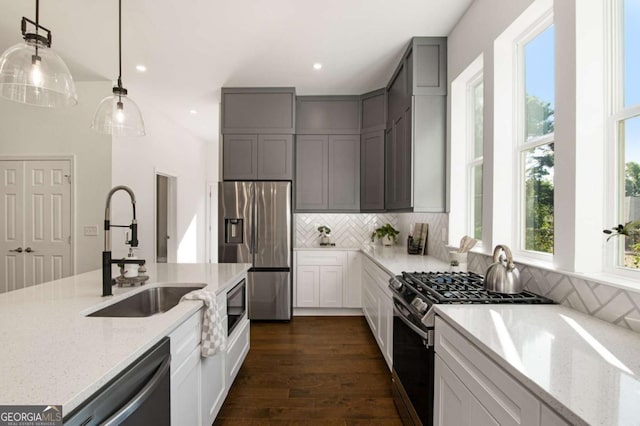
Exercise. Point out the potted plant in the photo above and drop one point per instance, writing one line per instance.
(387, 233)
(631, 233)
(324, 231)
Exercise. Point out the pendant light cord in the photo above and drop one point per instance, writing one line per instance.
(37, 22)
(119, 43)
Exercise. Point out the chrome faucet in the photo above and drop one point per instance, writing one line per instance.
(107, 261)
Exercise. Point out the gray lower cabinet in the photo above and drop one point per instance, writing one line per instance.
(372, 171)
(327, 173)
(312, 173)
(257, 157)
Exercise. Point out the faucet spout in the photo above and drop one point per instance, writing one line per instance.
(107, 218)
(107, 281)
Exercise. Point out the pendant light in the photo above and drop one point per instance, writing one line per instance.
(117, 114)
(31, 73)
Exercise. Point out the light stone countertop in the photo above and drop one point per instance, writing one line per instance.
(394, 260)
(586, 369)
(52, 354)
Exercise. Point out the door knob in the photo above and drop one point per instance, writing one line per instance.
(28, 250)
(18, 250)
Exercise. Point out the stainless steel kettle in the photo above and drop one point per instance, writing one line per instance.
(502, 276)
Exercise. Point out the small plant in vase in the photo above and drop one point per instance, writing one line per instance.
(387, 233)
(324, 231)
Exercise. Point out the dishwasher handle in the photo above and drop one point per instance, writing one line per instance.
(141, 396)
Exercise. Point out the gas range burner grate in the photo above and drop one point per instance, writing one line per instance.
(465, 287)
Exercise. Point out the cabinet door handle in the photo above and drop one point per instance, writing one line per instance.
(28, 250)
(18, 250)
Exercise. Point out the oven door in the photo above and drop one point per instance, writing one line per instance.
(413, 365)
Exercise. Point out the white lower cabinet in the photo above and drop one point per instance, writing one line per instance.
(453, 402)
(185, 372)
(214, 383)
(237, 349)
(322, 280)
(199, 385)
(185, 391)
(377, 305)
(330, 288)
(214, 389)
(471, 389)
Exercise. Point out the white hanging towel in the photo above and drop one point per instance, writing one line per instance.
(214, 337)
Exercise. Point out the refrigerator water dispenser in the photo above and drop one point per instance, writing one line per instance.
(233, 233)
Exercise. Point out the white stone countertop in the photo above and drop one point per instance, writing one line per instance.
(586, 369)
(394, 259)
(51, 353)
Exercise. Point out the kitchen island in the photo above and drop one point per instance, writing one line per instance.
(52, 353)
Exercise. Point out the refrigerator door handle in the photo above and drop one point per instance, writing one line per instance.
(254, 226)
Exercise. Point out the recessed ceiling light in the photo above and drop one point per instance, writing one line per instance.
(317, 66)
(141, 68)
(193, 112)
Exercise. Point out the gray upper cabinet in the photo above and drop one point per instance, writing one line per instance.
(344, 173)
(328, 115)
(257, 157)
(428, 66)
(240, 157)
(327, 173)
(415, 140)
(275, 157)
(372, 171)
(312, 173)
(374, 110)
(258, 110)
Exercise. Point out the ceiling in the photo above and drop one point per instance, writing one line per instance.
(192, 48)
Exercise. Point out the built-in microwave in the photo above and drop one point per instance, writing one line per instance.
(236, 305)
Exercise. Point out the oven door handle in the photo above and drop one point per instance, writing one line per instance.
(412, 326)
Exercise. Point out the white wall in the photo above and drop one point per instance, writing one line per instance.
(29, 130)
(167, 148)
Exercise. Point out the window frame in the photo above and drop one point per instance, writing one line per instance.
(521, 145)
(617, 113)
(473, 161)
(458, 153)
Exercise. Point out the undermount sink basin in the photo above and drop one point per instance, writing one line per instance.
(148, 302)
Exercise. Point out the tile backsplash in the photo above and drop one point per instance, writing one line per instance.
(347, 230)
(612, 304)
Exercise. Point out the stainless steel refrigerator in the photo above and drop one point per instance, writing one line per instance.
(255, 227)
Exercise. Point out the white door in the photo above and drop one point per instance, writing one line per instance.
(39, 222)
(11, 238)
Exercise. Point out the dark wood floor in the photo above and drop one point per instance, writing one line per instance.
(311, 371)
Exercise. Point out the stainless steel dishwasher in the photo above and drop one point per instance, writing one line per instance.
(140, 395)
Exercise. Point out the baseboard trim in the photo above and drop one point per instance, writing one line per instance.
(330, 312)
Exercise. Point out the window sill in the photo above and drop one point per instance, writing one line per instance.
(606, 278)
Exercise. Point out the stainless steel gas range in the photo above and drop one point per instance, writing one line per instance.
(414, 295)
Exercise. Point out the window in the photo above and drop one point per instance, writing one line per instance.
(475, 146)
(626, 122)
(535, 151)
(466, 166)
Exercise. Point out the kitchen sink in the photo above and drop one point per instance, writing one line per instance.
(148, 302)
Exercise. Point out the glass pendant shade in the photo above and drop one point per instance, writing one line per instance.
(119, 116)
(31, 73)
